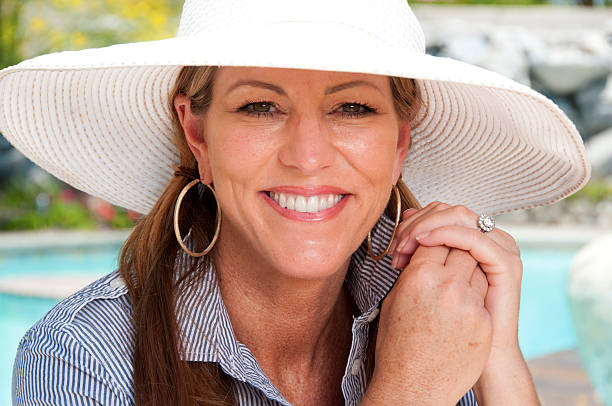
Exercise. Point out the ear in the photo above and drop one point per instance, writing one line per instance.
(193, 128)
(403, 145)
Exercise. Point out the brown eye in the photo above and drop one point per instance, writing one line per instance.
(261, 107)
(352, 108)
(355, 110)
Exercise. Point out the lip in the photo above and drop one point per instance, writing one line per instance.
(307, 191)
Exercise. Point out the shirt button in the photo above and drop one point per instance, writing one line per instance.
(117, 283)
(373, 315)
(356, 366)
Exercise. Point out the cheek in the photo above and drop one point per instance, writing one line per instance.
(370, 150)
(236, 152)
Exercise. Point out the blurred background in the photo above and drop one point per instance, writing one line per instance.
(55, 239)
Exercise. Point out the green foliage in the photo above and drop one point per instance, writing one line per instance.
(595, 191)
(10, 37)
(30, 206)
(32, 27)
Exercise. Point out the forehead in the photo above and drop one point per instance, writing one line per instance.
(228, 76)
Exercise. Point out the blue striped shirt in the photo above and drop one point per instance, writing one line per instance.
(81, 352)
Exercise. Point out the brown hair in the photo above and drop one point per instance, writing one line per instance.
(147, 263)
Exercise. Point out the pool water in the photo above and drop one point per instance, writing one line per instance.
(545, 324)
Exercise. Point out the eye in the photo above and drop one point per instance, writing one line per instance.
(356, 110)
(265, 108)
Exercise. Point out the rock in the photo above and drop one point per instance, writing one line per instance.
(566, 65)
(546, 214)
(590, 297)
(599, 153)
(596, 107)
(498, 49)
(567, 74)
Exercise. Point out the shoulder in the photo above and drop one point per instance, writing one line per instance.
(83, 348)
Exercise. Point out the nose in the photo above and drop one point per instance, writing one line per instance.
(308, 145)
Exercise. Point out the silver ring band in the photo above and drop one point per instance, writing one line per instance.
(485, 223)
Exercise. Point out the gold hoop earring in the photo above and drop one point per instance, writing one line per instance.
(177, 232)
(397, 220)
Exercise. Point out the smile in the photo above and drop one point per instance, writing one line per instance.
(306, 204)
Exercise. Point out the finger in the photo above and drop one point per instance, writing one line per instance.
(400, 260)
(492, 257)
(439, 216)
(479, 282)
(402, 233)
(409, 216)
(457, 260)
(436, 254)
(455, 215)
(405, 216)
(408, 212)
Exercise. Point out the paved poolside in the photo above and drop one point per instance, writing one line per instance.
(561, 381)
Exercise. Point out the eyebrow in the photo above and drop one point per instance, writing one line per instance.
(279, 90)
(348, 85)
(256, 83)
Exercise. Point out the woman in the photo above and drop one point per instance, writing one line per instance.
(299, 146)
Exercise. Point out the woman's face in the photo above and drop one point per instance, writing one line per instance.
(303, 162)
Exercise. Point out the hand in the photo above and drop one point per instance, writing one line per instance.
(440, 224)
(434, 333)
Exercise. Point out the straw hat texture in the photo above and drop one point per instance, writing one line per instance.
(98, 118)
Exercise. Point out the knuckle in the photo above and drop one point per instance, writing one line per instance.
(510, 242)
(407, 213)
(441, 206)
(422, 272)
(462, 211)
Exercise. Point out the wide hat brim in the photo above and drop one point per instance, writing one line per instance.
(99, 120)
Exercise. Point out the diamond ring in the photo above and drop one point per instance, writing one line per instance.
(485, 223)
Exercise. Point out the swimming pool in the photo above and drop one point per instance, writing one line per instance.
(545, 324)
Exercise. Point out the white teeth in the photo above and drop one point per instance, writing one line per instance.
(305, 204)
(313, 204)
(300, 203)
(322, 203)
(291, 202)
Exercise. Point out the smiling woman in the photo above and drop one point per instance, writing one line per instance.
(268, 268)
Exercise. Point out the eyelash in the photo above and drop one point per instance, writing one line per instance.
(269, 114)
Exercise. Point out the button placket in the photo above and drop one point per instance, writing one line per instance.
(356, 367)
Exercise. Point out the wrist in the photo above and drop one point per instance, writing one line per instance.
(506, 376)
(390, 390)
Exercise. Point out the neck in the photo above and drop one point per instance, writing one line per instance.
(284, 321)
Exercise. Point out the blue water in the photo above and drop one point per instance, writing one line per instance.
(545, 325)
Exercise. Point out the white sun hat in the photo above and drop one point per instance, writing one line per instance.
(98, 119)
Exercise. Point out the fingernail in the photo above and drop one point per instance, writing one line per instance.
(401, 245)
(410, 211)
(422, 236)
(393, 244)
(394, 261)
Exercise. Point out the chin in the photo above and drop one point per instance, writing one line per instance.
(312, 264)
